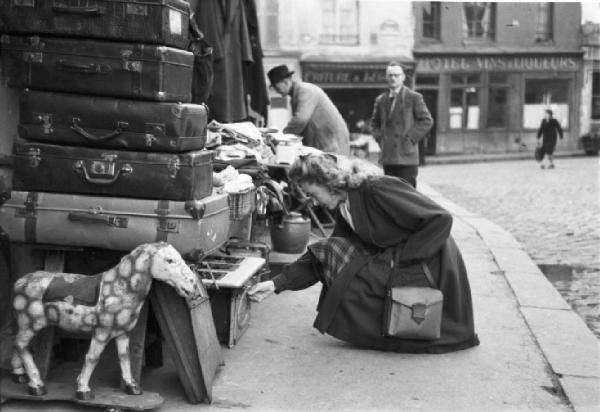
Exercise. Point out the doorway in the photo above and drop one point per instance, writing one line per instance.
(430, 96)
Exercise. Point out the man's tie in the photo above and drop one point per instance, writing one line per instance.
(392, 101)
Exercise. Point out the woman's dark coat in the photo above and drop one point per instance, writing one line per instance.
(549, 130)
(387, 212)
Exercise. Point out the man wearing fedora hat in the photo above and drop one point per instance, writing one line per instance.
(314, 116)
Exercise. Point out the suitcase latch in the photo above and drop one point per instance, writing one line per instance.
(130, 65)
(35, 157)
(173, 167)
(46, 120)
(33, 57)
(168, 225)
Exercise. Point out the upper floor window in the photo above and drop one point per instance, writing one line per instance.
(340, 22)
(431, 20)
(479, 20)
(545, 18)
(268, 15)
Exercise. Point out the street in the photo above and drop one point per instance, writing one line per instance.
(553, 213)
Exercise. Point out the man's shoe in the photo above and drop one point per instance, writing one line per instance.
(551, 166)
(542, 167)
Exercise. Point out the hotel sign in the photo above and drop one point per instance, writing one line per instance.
(497, 63)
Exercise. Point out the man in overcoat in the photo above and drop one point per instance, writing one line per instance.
(314, 116)
(400, 119)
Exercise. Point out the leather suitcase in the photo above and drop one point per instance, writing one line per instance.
(104, 122)
(115, 223)
(102, 68)
(149, 21)
(82, 170)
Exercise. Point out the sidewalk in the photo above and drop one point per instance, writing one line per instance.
(495, 157)
(536, 354)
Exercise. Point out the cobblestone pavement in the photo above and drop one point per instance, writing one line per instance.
(554, 213)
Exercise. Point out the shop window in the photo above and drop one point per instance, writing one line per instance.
(479, 20)
(464, 102)
(542, 94)
(497, 107)
(596, 96)
(431, 20)
(545, 17)
(268, 16)
(340, 22)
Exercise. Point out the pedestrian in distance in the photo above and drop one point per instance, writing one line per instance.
(314, 116)
(548, 132)
(380, 219)
(400, 120)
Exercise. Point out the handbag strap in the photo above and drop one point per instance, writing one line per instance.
(426, 271)
(428, 275)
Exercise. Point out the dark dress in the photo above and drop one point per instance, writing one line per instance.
(388, 214)
(549, 130)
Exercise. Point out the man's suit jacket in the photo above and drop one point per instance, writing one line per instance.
(317, 120)
(398, 132)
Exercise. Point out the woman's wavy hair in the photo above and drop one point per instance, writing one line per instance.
(337, 173)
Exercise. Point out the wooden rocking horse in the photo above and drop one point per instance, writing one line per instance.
(117, 296)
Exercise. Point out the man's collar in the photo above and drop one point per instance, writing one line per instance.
(395, 92)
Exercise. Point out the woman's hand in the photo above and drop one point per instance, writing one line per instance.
(261, 290)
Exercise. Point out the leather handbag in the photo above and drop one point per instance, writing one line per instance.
(538, 154)
(413, 312)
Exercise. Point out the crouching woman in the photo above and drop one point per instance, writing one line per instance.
(383, 227)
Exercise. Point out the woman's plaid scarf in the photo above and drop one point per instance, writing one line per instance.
(334, 254)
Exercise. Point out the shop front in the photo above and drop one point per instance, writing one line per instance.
(493, 103)
(352, 86)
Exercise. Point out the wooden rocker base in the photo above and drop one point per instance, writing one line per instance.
(104, 397)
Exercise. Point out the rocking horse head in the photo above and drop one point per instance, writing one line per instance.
(163, 262)
(106, 305)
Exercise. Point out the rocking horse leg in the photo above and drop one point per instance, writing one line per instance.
(18, 371)
(91, 360)
(36, 386)
(131, 386)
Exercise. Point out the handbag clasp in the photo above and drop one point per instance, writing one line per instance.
(418, 312)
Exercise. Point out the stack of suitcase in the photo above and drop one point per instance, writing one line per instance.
(111, 152)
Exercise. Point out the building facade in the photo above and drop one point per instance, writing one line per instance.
(590, 95)
(487, 71)
(492, 69)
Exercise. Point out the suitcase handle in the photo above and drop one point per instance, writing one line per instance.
(101, 181)
(88, 11)
(87, 135)
(89, 68)
(114, 221)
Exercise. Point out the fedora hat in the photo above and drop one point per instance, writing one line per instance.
(278, 73)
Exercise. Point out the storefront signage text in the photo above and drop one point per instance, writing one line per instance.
(517, 63)
(330, 74)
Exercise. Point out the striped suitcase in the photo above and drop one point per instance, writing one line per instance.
(115, 223)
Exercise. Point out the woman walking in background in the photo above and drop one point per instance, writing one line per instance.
(549, 129)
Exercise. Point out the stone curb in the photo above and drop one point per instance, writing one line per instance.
(569, 346)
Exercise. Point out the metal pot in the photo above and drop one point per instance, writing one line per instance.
(291, 235)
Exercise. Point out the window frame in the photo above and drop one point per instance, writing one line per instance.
(544, 27)
(465, 87)
(435, 11)
(336, 34)
(489, 32)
